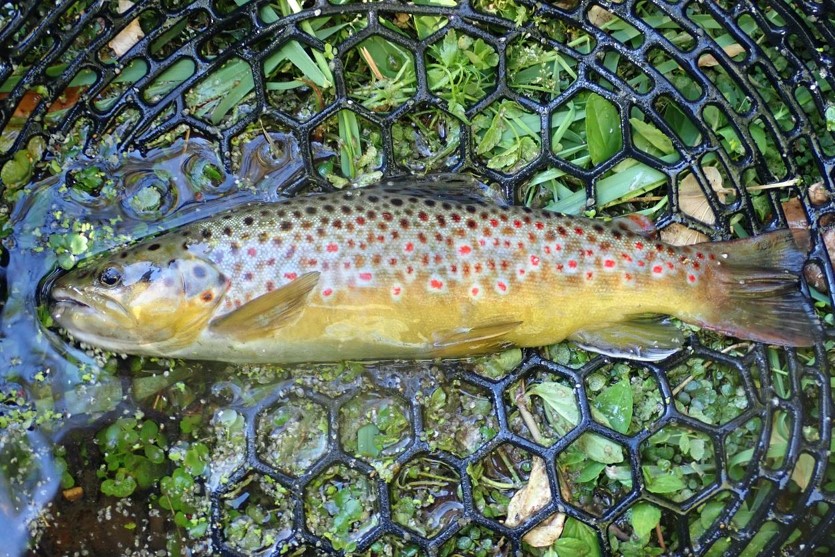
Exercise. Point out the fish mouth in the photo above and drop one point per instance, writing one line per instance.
(70, 298)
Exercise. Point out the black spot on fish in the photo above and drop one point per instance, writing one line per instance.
(397, 202)
(264, 213)
(206, 233)
(597, 228)
(199, 271)
(123, 255)
(248, 221)
(346, 210)
(446, 205)
(154, 247)
(297, 214)
(328, 208)
(524, 209)
(310, 210)
(429, 202)
(373, 198)
(470, 208)
(227, 231)
(286, 225)
(281, 213)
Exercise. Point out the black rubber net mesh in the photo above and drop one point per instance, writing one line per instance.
(762, 87)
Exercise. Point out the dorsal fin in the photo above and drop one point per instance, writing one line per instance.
(461, 188)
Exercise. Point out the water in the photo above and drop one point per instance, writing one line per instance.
(51, 390)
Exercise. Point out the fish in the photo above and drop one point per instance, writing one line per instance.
(437, 267)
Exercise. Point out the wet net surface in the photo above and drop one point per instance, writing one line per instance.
(759, 96)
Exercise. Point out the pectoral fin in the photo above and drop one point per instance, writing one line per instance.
(647, 340)
(639, 224)
(268, 312)
(470, 340)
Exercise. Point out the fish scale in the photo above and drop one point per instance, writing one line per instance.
(424, 270)
(416, 247)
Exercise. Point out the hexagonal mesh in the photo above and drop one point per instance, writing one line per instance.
(622, 51)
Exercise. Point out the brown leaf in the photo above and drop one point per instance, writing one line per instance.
(692, 199)
(708, 60)
(128, 36)
(599, 16)
(679, 235)
(528, 500)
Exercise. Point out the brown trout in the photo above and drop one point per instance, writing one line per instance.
(427, 269)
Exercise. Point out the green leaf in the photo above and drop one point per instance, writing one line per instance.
(600, 449)
(119, 487)
(17, 171)
(646, 135)
(590, 472)
(830, 118)
(603, 132)
(367, 440)
(571, 547)
(559, 399)
(697, 448)
(575, 529)
(644, 517)
(492, 136)
(616, 404)
(666, 483)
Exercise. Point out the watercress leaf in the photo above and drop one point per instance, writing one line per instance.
(559, 398)
(367, 440)
(572, 546)
(616, 404)
(600, 449)
(575, 529)
(644, 518)
(666, 483)
(697, 448)
(603, 131)
(590, 472)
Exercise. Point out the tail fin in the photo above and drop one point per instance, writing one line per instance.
(757, 291)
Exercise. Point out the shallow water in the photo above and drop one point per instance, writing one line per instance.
(55, 223)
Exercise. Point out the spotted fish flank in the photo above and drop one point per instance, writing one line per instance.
(380, 272)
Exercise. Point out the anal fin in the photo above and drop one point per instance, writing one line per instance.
(471, 340)
(643, 339)
(269, 311)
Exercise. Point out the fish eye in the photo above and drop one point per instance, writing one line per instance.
(110, 276)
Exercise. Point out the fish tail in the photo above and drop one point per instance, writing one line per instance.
(758, 294)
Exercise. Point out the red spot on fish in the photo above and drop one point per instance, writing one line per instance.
(351, 243)
(410, 270)
(477, 267)
(639, 245)
(474, 291)
(494, 223)
(251, 252)
(270, 286)
(521, 272)
(247, 276)
(534, 260)
(271, 261)
(589, 253)
(691, 278)
(332, 248)
(423, 216)
(387, 216)
(659, 247)
(346, 265)
(572, 264)
(409, 247)
(360, 220)
(579, 231)
(437, 259)
(558, 247)
(393, 261)
(670, 266)
(657, 269)
(505, 265)
(365, 276)
(456, 217)
(560, 267)
(562, 230)
(422, 237)
(589, 275)
(641, 263)
(520, 245)
(627, 276)
(290, 276)
(396, 290)
(626, 257)
(548, 250)
(312, 262)
(539, 225)
(696, 265)
(700, 255)
(207, 296)
(712, 257)
(327, 292)
(381, 239)
(517, 223)
(436, 284)
(453, 268)
(501, 286)
(609, 263)
(482, 242)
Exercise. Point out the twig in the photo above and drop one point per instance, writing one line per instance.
(660, 537)
(372, 65)
(683, 384)
(527, 417)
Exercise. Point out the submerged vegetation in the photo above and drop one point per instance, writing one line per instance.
(151, 446)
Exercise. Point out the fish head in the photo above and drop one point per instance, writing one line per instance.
(149, 299)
